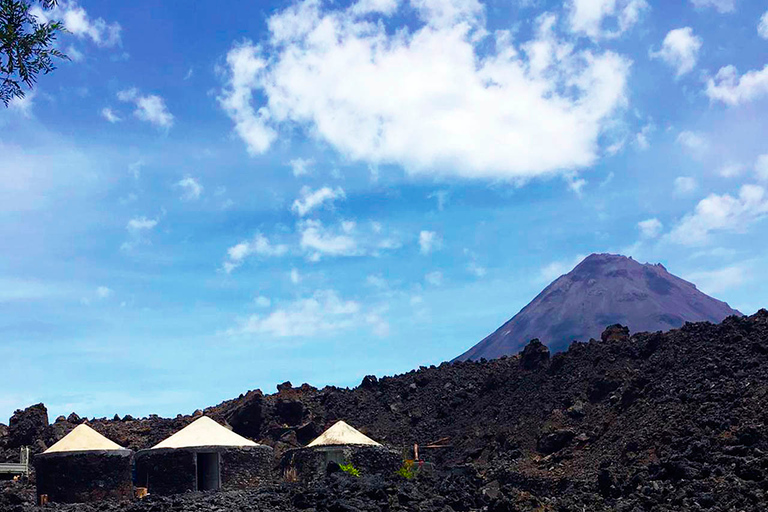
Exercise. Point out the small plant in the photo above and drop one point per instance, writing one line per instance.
(408, 470)
(350, 469)
(291, 475)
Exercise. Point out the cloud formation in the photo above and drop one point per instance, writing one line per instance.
(109, 115)
(324, 313)
(685, 185)
(650, 228)
(590, 17)
(427, 99)
(150, 108)
(679, 50)
(733, 89)
(311, 200)
(429, 241)
(762, 26)
(722, 6)
(721, 213)
(259, 245)
(77, 22)
(191, 187)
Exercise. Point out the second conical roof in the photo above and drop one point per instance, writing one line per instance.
(204, 432)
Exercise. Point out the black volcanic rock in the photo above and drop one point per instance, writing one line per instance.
(603, 289)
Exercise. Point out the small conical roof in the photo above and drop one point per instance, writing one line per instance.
(83, 438)
(340, 434)
(204, 432)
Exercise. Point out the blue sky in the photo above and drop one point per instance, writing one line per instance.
(206, 200)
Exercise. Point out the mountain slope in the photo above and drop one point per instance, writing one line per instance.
(603, 289)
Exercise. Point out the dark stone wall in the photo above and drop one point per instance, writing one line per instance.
(80, 477)
(309, 465)
(173, 471)
(243, 468)
(166, 471)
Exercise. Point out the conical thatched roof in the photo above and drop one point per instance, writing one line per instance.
(342, 434)
(204, 432)
(83, 438)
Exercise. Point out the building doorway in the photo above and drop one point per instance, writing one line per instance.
(208, 474)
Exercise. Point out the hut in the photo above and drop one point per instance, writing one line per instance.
(339, 445)
(203, 456)
(84, 466)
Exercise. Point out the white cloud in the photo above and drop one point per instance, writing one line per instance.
(716, 281)
(324, 313)
(761, 168)
(103, 292)
(301, 166)
(685, 185)
(641, 138)
(434, 278)
(695, 143)
(23, 105)
(576, 185)
(429, 241)
(295, 277)
(762, 27)
(315, 199)
(150, 108)
(263, 302)
(109, 115)
(344, 239)
(135, 169)
(732, 89)
(431, 99)
(589, 16)
(138, 229)
(191, 187)
(377, 281)
(730, 170)
(555, 269)
(259, 246)
(650, 228)
(442, 197)
(476, 270)
(78, 23)
(320, 240)
(679, 50)
(74, 54)
(721, 6)
(721, 213)
(363, 7)
(141, 224)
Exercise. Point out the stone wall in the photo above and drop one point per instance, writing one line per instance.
(174, 471)
(310, 465)
(243, 468)
(81, 477)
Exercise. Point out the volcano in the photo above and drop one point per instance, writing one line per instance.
(602, 290)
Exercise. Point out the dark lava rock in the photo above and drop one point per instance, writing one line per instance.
(556, 441)
(615, 332)
(284, 386)
(74, 418)
(535, 355)
(29, 426)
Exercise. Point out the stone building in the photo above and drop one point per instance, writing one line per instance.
(203, 456)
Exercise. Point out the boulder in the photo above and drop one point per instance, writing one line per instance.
(28, 426)
(555, 441)
(535, 355)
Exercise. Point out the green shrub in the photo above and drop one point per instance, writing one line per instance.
(350, 469)
(408, 470)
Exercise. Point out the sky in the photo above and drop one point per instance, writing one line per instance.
(208, 200)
